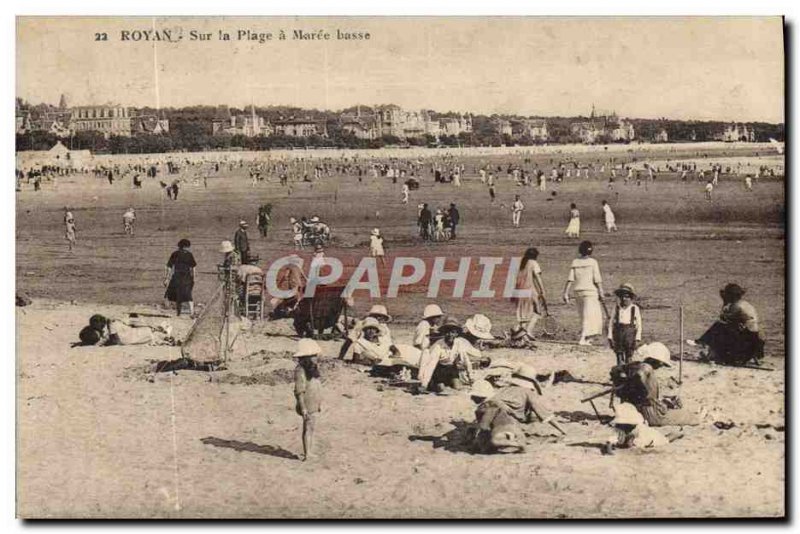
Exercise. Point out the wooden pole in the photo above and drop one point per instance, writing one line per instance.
(680, 361)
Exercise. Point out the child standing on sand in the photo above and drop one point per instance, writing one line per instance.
(307, 390)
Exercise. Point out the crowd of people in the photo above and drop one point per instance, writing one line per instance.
(446, 353)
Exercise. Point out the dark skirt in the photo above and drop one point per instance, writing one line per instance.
(180, 288)
(732, 346)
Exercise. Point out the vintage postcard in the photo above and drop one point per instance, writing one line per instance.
(400, 267)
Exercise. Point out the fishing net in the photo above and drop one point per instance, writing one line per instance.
(213, 333)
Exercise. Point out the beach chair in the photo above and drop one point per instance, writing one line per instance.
(253, 297)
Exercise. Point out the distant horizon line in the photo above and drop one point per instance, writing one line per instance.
(602, 113)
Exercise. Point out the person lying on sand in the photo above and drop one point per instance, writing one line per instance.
(103, 331)
(735, 339)
(499, 418)
(636, 383)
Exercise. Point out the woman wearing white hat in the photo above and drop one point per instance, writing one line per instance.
(376, 246)
(307, 390)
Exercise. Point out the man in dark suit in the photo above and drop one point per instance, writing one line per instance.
(241, 243)
(455, 217)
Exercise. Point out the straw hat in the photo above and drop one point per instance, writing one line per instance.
(225, 247)
(627, 414)
(242, 223)
(307, 347)
(432, 310)
(314, 219)
(625, 289)
(525, 377)
(371, 322)
(380, 309)
(500, 368)
(482, 389)
(450, 323)
(655, 351)
(479, 326)
(376, 232)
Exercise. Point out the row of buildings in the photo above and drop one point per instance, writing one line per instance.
(382, 121)
(108, 119)
(375, 123)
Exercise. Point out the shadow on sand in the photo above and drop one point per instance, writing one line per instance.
(455, 440)
(249, 446)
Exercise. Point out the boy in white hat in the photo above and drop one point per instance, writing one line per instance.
(633, 431)
(307, 390)
(379, 314)
(499, 373)
(452, 356)
(431, 317)
(499, 417)
(636, 383)
(376, 246)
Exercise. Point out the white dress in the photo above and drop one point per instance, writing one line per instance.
(376, 245)
(574, 227)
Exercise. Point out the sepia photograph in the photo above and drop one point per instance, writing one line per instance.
(428, 267)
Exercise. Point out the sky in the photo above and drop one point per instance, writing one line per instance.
(723, 68)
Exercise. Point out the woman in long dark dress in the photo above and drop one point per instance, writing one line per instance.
(180, 275)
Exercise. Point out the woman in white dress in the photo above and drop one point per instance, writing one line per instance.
(574, 227)
(584, 278)
(376, 246)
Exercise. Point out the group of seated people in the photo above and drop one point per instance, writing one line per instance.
(443, 352)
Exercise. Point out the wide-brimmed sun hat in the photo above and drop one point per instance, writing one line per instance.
(479, 326)
(432, 310)
(525, 376)
(370, 322)
(625, 289)
(307, 347)
(627, 414)
(450, 323)
(226, 246)
(482, 389)
(380, 309)
(655, 351)
(500, 368)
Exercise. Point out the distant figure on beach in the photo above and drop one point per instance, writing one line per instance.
(574, 226)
